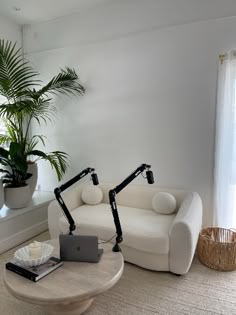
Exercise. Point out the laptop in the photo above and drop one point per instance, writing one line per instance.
(82, 248)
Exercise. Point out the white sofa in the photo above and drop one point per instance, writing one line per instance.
(151, 240)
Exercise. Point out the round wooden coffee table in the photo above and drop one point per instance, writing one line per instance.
(70, 289)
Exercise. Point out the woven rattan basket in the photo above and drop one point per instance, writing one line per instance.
(216, 248)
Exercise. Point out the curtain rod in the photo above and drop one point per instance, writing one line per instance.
(224, 56)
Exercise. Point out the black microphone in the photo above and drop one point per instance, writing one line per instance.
(150, 178)
(95, 179)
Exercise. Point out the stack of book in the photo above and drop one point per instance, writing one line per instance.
(35, 273)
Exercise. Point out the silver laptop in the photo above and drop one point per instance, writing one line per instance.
(79, 248)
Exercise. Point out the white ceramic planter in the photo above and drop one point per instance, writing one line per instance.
(17, 197)
(32, 181)
(1, 194)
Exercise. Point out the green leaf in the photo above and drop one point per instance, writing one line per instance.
(21, 165)
(37, 153)
(33, 142)
(57, 159)
(4, 153)
(66, 82)
(16, 74)
(23, 103)
(4, 139)
(16, 150)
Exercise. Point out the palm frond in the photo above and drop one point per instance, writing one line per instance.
(66, 82)
(12, 131)
(57, 159)
(24, 103)
(4, 139)
(33, 142)
(22, 107)
(43, 110)
(16, 75)
(40, 109)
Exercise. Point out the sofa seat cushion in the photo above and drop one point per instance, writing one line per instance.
(144, 230)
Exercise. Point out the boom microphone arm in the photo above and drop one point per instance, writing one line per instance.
(59, 190)
(116, 190)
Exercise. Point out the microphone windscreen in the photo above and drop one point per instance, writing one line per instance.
(95, 179)
(150, 178)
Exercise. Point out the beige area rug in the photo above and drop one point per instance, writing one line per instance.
(201, 291)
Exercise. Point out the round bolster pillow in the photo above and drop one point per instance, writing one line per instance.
(164, 203)
(91, 195)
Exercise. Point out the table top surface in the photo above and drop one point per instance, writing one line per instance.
(74, 281)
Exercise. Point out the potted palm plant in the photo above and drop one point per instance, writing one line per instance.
(26, 99)
(17, 191)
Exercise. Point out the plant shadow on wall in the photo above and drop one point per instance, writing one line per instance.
(26, 100)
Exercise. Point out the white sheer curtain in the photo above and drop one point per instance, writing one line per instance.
(225, 153)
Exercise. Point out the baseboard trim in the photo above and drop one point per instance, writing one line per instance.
(23, 236)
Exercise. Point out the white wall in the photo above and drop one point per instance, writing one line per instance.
(9, 30)
(150, 97)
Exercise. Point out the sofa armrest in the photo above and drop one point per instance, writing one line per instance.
(72, 200)
(184, 233)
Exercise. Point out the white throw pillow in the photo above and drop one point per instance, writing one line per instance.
(164, 203)
(92, 195)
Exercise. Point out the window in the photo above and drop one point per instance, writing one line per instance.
(3, 129)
